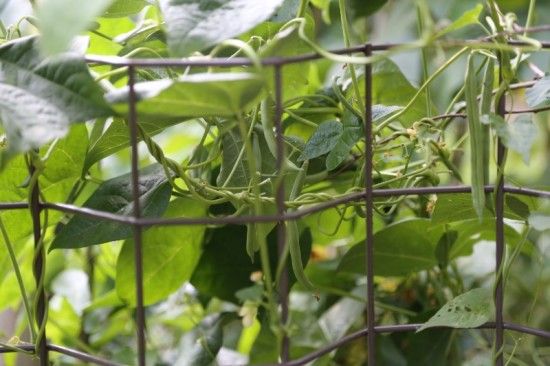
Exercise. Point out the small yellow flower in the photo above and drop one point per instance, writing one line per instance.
(248, 312)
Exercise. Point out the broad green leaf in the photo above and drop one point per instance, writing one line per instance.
(455, 207)
(470, 232)
(56, 181)
(116, 137)
(379, 111)
(123, 8)
(391, 256)
(234, 170)
(19, 110)
(362, 9)
(323, 140)
(468, 310)
(42, 96)
(225, 267)
(517, 206)
(111, 27)
(170, 255)
(431, 347)
(287, 11)
(467, 18)
(115, 196)
(193, 25)
(539, 94)
(62, 20)
(352, 132)
(450, 208)
(391, 88)
(287, 43)
(65, 162)
(518, 134)
(204, 94)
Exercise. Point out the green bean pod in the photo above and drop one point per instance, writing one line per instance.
(485, 108)
(293, 234)
(476, 148)
(251, 242)
(267, 118)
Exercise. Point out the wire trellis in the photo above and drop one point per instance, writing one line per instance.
(367, 196)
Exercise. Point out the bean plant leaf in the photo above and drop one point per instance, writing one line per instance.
(115, 196)
(225, 267)
(56, 180)
(467, 18)
(468, 310)
(287, 43)
(363, 9)
(517, 206)
(380, 111)
(74, 15)
(391, 88)
(539, 94)
(352, 132)
(123, 8)
(169, 256)
(234, 170)
(116, 137)
(323, 140)
(193, 25)
(203, 94)
(518, 134)
(471, 232)
(41, 97)
(451, 208)
(391, 256)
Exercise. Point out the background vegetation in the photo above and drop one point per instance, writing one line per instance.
(208, 150)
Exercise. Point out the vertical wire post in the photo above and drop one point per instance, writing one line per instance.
(500, 244)
(38, 271)
(369, 243)
(280, 200)
(138, 257)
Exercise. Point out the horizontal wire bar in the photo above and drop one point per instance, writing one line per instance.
(270, 61)
(27, 347)
(86, 357)
(14, 205)
(90, 212)
(403, 328)
(308, 358)
(294, 215)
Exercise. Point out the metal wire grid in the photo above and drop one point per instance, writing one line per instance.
(368, 195)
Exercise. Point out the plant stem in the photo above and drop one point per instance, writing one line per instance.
(19, 277)
(302, 9)
(395, 116)
(347, 43)
(421, 26)
(530, 16)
